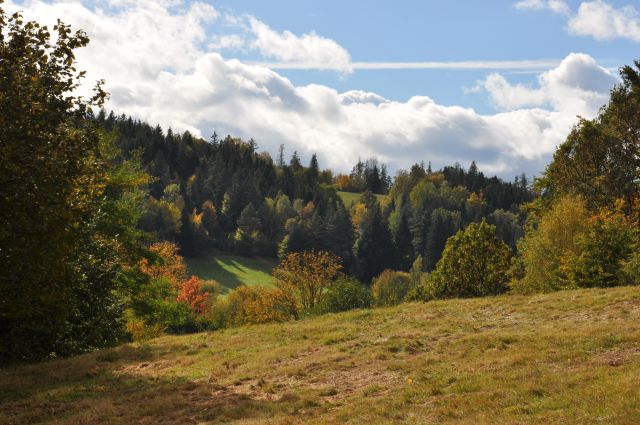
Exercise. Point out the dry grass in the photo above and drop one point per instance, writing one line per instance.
(568, 357)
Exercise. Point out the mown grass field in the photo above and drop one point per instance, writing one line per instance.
(566, 358)
(231, 271)
(349, 198)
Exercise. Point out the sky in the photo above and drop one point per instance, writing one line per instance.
(498, 82)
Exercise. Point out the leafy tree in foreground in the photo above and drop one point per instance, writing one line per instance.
(600, 160)
(60, 201)
(305, 276)
(605, 247)
(546, 250)
(474, 263)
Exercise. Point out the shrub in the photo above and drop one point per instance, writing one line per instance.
(191, 294)
(630, 273)
(345, 294)
(606, 250)
(303, 277)
(141, 331)
(545, 251)
(423, 291)
(390, 288)
(474, 263)
(249, 305)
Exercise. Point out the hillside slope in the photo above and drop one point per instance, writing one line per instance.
(231, 271)
(567, 357)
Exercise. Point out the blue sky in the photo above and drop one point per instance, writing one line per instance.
(408, 31)
(339, 78)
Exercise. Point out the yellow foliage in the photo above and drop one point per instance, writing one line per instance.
(359, 215)
(249, 305)
(549, 249)
(140, 331)
(304, 277)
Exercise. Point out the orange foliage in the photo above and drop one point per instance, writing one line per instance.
(343, 182)
(171, 267)
(192, 295)
(436, 178)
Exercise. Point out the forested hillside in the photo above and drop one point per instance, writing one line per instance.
(225, 193)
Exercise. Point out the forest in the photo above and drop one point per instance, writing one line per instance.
(98, 212)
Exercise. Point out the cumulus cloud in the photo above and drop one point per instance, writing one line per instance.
(577, 85)
(359, 96)
(309, 50)
(597, 19)
(159, 67)
(602, 21)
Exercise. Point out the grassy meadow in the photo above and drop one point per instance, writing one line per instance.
(231, 271)
(350, 198)
(570, 357)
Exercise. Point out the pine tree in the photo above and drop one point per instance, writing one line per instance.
(280, 161)
(443, 224)
(402, 243)
(295, 163)
(314, 169)
(373, 249)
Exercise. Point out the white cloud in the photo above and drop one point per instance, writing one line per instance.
(597, 18)
(578, 85)
(310, 50)
(556, 6)
(228, 41)
(359, 96)
(157, 66)
(602, 21)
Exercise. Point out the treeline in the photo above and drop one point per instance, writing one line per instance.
(225, 194)
(365, 176)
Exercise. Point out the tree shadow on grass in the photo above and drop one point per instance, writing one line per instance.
(225, 269)
(213, 270)
(122, 385)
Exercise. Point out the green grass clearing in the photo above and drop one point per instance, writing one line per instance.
(350, 198)
(231, 271)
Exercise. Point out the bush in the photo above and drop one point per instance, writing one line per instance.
(571, 249)
(606, 249)
(174, 316)
(545, 250)
(249, 305)
(345, 294)
(423, 291)
(141, 331)
(631, 269)
(303, 279)
(390, 288)
(474, 263)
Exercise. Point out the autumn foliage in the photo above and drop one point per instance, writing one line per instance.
(170, 266)
(303, 277)
(191, 294)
